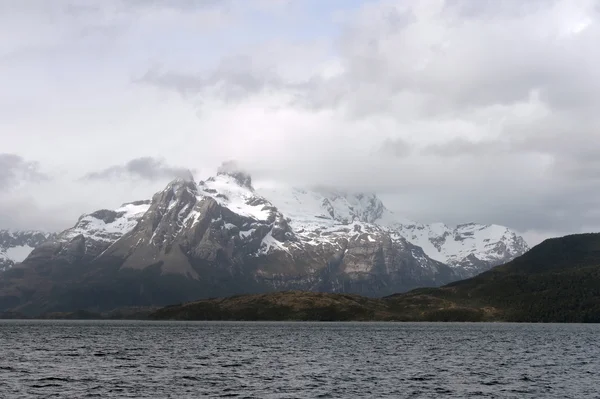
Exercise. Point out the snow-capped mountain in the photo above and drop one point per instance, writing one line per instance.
(90, 236)
(469, 248)
(15, 246)
(222, 236)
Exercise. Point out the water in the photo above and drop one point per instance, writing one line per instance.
(82, 359)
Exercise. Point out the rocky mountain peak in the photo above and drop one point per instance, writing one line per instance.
(223, 236)
(176, 188)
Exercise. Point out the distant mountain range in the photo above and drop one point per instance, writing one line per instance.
(222, 236)
(557, 281)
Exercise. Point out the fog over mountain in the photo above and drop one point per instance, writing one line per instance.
(451, 111)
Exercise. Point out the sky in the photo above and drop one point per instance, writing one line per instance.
(451, 110)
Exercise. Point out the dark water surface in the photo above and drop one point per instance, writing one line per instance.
(82, 359)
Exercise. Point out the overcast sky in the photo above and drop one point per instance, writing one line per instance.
(452, 110)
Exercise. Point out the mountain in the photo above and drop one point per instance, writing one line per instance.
(15, 246)
(557, 281)
(468, 248)
(222, 237)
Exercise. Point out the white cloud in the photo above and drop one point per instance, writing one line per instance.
(454, 110)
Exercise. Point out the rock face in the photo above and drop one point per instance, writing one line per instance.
(222, 237)
(15, 246)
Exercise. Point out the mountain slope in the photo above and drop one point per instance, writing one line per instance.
(221, 237)
(90, 236)
(557, 281)
(15, 246)
(469, 248)
(290, 305)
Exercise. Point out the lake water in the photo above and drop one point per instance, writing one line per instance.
(85, 359)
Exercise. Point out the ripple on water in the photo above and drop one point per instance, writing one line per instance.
(69, 359)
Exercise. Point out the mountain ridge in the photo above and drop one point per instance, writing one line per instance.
(557, 281)
(223, 236)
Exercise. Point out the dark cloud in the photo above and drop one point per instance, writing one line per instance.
(146, 168)
(15, 170)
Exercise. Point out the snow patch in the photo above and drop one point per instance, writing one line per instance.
(194, 216)
(270, 243)
(239, 199)
(247, 233)
(97, 229)
(19, 253)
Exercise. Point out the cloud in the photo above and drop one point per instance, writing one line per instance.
(454, 110)
(146, 168)
(238, 78)
(14, 170)
(395, 148)
(460, 147)
(499, 130)
(233, 80)
(467, 58)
